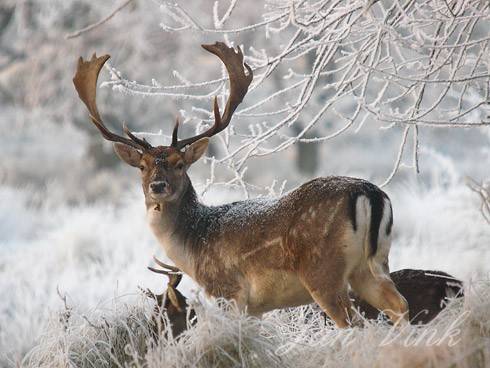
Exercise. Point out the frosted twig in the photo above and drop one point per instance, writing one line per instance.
(483, 190)
(406, 64)
(99, 23)
(398, 157)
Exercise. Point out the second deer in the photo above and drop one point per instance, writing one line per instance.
(427, 292)
(170, 303)
(308, 245)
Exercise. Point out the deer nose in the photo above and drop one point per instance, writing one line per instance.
(158, 186)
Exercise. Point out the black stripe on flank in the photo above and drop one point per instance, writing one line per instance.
(352, 208)
(390, 220)
(376, 200)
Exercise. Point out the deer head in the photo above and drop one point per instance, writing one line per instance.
(163, 168)
(171, 302)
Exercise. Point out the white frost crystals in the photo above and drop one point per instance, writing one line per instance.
(348, 65)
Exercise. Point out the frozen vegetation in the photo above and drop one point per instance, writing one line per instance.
(96, 256)
(74, 244)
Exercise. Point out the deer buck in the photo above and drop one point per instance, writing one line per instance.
(264, 254)
(171, 302)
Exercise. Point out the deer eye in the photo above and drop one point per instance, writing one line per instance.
(180, 166)
(142, 168)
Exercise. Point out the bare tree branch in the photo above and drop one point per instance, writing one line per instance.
(402, 64)
(91, 27)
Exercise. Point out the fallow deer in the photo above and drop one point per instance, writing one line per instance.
(264, 254)
(427, 293)
(171, 302)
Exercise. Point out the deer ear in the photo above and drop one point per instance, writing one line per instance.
(195, 150)
(128, 154)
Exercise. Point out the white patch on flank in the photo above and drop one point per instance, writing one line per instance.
(363, 221)
(384, 241)
(363, 214)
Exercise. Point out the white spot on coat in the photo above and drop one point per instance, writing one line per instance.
(331, 217)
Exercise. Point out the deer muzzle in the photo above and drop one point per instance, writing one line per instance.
(160, 189)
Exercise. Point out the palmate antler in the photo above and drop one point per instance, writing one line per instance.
(239, 83)
(85, 81)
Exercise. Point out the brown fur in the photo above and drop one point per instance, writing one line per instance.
(427, 293)
(170, 304)
(284, 252)
(309, 244)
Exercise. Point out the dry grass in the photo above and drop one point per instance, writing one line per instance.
(458, 337)
(96, 255)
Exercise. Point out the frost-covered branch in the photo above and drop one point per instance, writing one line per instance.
(329, 66)
(100, 22)
(483, 191)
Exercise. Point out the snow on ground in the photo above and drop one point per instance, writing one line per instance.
(96, 255)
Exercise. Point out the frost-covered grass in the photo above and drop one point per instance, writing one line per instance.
(460, 336)
(96, 255)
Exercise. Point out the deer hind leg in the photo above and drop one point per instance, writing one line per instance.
(328, 288)
(371, 280)
(381, 293)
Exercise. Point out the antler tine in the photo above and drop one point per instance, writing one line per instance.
(141, 142)
(239, 83)
(163, 272)
(164, 265)
(85, 81)
(175, 133)
(174, 274)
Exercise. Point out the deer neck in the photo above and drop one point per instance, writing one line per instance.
(172, 224)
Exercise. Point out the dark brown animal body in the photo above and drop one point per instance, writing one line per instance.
(427, 293)
(308, 245)
(170, 304)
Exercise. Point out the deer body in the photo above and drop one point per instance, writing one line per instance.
(259, 252)
(206, 247)
(310, 244)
